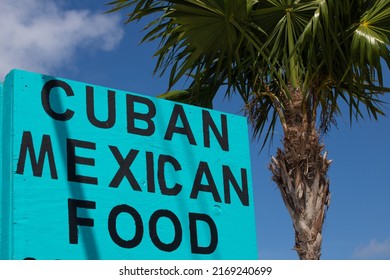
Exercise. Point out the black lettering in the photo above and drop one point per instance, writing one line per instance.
(203, 169)
(178, 112)
(73, 160)
(195, 248)
(112, 228)
(162, 160)
(111, 115)
(45, 99)
(36, 165)
(75, 221)
(124, 168)
(147, 118)
(228, 179)
(150, 172)
(167, 247)
(208, 123)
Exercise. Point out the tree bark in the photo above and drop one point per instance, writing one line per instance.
(300, 172)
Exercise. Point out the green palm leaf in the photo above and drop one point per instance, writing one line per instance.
(332, 50)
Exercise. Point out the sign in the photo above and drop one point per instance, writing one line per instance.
(95, 173)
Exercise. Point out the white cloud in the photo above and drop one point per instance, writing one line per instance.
(42, 36)
(374, 250)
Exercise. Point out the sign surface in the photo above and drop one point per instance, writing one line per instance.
(95, 173)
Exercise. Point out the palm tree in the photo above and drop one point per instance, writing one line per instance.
(291, 61)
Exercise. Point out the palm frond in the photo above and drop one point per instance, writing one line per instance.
(331, 50)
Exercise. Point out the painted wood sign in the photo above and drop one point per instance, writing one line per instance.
(89, 172)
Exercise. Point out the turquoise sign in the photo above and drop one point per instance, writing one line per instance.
(95, 173)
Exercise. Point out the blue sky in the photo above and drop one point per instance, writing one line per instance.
(74, 40)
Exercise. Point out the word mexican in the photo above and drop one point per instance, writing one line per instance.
(203, 179)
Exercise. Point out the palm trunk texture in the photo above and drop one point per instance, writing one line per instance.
(300, 172)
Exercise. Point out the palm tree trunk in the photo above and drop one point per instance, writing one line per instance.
(299, 170)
